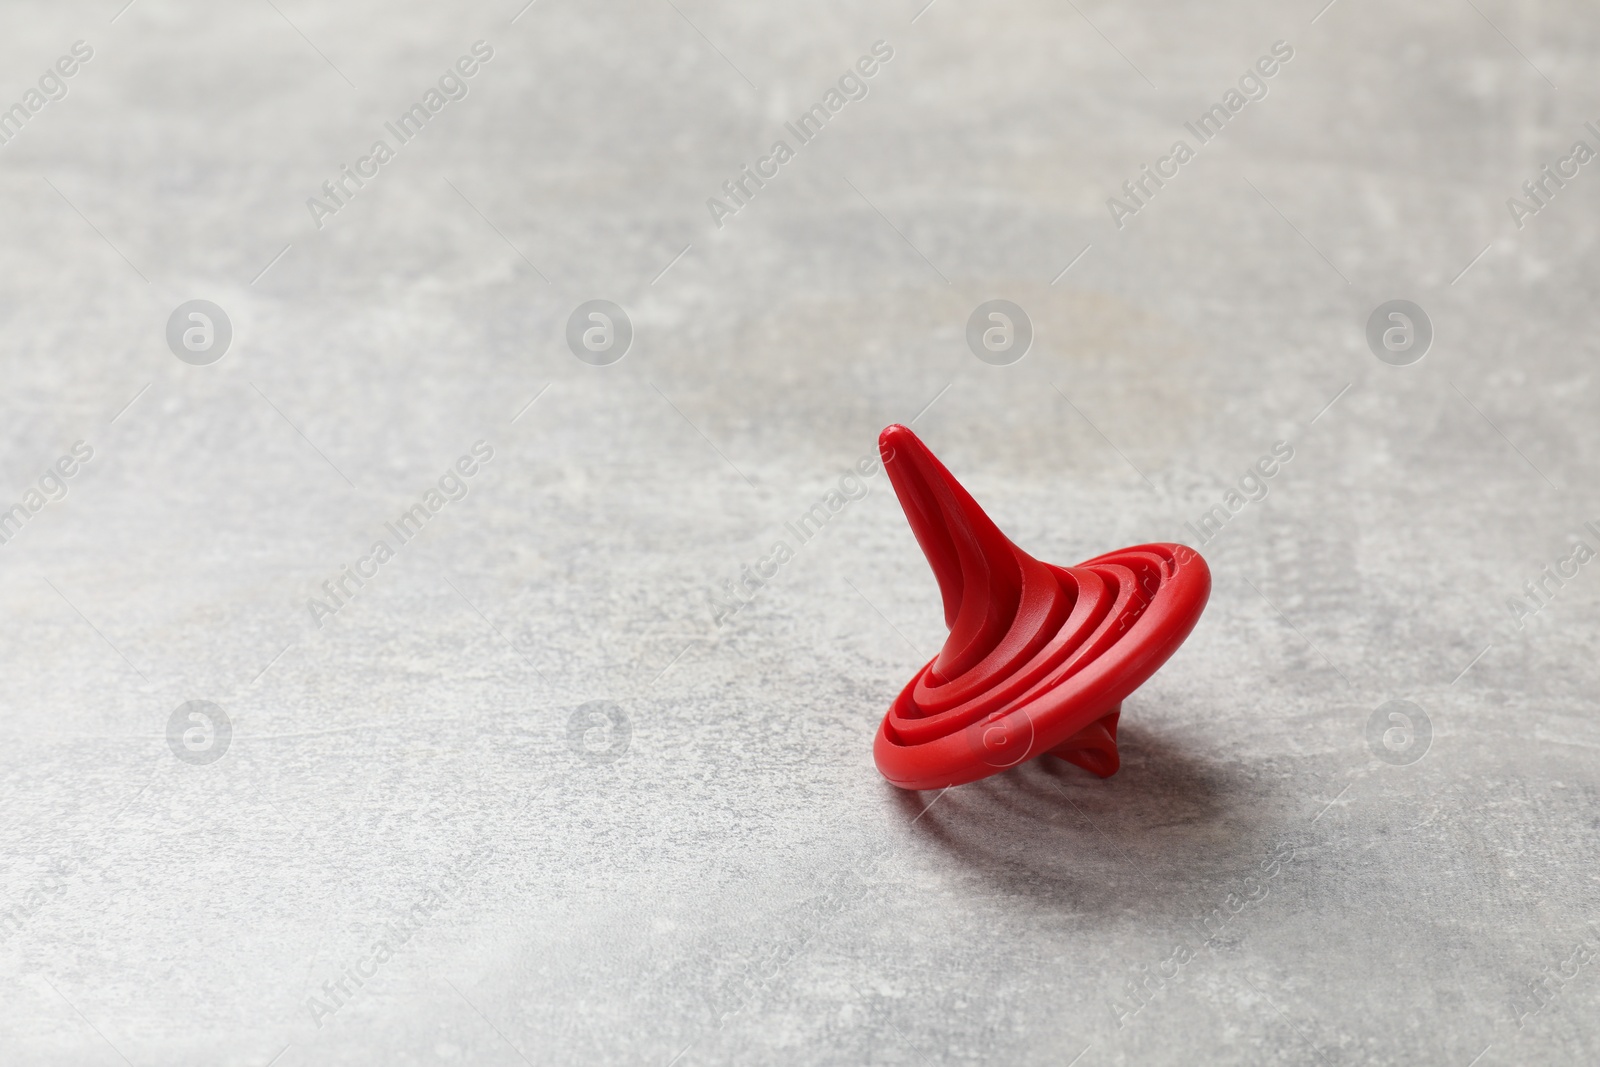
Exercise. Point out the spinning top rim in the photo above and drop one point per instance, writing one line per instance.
(1081, 698)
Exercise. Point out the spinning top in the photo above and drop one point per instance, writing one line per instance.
(1039, 657)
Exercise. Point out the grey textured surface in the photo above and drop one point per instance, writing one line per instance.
(730, 881)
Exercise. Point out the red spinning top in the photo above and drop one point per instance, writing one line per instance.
(1039, 657)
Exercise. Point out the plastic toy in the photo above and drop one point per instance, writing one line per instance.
(1039, 657)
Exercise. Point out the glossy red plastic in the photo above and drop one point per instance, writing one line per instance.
(1039, 657)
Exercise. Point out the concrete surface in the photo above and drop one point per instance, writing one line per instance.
(526, 799)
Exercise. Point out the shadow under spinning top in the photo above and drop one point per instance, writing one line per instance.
(1039, 657)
